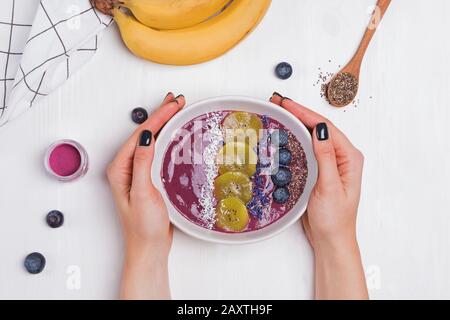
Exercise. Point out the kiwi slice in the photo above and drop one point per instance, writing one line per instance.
(233, 184)
(242, 127)
(232, 215)
(237, 156)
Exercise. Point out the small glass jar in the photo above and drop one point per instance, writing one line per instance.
(66, 160)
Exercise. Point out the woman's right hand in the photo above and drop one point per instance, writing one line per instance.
(330, 221)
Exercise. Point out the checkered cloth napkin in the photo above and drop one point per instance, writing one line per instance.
(43, 42)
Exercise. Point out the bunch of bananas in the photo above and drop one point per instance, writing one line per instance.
(183, 32)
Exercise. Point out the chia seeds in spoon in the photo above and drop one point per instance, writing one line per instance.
(342, 89)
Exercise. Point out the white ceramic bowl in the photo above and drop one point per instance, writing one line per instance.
(236, 103)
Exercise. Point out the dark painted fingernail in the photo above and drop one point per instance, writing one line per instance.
(322, 132)
(277, 94)
(168, 94)
(179, 96)
(146, 138)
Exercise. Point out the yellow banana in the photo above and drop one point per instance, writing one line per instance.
(173, 14)
(200, 43)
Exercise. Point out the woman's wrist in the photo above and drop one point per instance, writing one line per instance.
(339, 270)
(338, 253)
(145, 252)
(145, 273)
(345, 243)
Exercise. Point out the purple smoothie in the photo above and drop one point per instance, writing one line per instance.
(187, 174)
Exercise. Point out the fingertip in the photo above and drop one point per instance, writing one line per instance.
(142, 162)
(168, 98)
(321, 132)
(281, 100)
(169, 95)
(277, 95)
(180, 100)
(276, 98)
(145, 138)
(321, 141)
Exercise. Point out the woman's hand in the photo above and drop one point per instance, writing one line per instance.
(330, 221)
(146, 227)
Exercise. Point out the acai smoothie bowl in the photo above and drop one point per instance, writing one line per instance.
(234, 169)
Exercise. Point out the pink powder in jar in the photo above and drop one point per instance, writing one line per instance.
(65, 160)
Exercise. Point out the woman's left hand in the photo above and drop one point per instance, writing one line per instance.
(146, 227)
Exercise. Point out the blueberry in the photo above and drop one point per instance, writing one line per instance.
(34, 263)
(281, 195)
(282, 177)
(55, 219)
(283, 70)
(280, 138)
(284, 157)
(139, 115)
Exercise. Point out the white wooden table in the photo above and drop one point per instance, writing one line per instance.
(401, 125)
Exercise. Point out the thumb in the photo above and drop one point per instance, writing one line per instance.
(142, 163)
(326, 157)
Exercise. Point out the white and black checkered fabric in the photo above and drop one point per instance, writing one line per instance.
(42, 42)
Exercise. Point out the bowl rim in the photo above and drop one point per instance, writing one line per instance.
(202, 233)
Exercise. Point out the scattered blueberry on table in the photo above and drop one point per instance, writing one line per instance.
(34, 263)
(279, 138)
(283, 70)
(139, 115)
(284, 157)
(281, 195)
(282, 177)
(55, 219)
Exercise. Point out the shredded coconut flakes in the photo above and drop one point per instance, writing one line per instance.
(215, 142)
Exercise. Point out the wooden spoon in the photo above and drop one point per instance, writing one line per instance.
(343, 87)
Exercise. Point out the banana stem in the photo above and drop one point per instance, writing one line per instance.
(106, 6)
